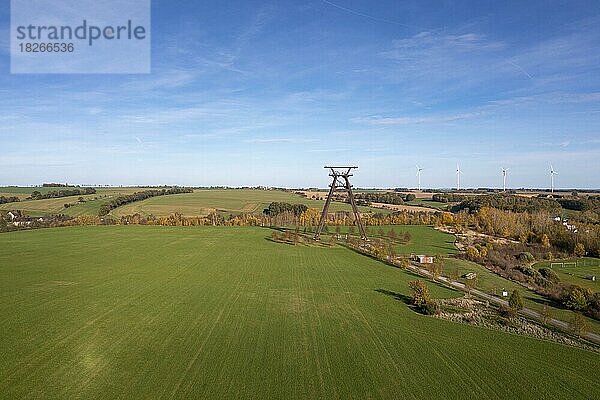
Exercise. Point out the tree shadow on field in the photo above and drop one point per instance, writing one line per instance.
(397, 296)
(547, 302)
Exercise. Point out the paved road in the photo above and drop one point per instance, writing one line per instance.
(496, 300)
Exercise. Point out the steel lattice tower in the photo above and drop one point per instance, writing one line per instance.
(341, 183)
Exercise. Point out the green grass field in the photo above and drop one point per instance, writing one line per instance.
(235, 201)
(425, 239)
(576, 274)
(224, 313)
(56, 205)
(27, 190)
(428, 203)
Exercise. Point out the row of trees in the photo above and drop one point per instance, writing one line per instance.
(537, 227)
(138, 196)
(276, 208)
(580, 299)
(9, 199)
(36, 195)
(507, 202)
(580, 203)
(383, 197)
(449, 197)
(56, 185)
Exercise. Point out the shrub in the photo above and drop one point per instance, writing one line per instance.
(578, 324)
(594, 306)
(575, 297)
(420, 293)
(549, 274)
(579, 250)
(527, 270)
(546, 314)
(507, 313)
(472, 253)
(431, 308)
(526, 257)
(516, 300)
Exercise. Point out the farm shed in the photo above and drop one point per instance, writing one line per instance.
(425, 259)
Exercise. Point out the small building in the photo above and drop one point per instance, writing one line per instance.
(422, 259)
(504, 293)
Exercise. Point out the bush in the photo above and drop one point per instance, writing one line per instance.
(527, 270)
(593, 309)
(579, 250)
(516, 300)
(541, 281)
(578, 324)
(532, 275)
(420, 295)
(431, 308)
(549, 274)
(472, 253)
(575, 297)
(11, 199)
(507, 313)
(526, 257)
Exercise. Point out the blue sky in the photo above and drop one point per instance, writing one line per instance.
(266, 93)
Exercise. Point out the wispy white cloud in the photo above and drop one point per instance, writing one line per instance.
(410, 120)
(169, 79)
(228, 57)
(431, 44)
(329, 150)
(281, 140)
(431, 63)
(549, 98)
(317, 95)
(367, 16)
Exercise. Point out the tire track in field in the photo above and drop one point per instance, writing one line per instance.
(317, 332)
(358, 316)
(304, 324)
(160, 346)
(332, 264)
(459, 372)
(225, 311)
(191, 288)
(52, 346)
(141, 297)
(258, 334)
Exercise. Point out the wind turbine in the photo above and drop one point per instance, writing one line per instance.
(419, 170)
(504, 171)
(552, 173)
(458, 174)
